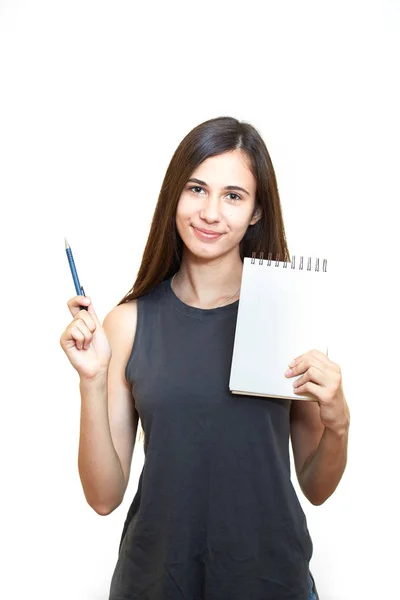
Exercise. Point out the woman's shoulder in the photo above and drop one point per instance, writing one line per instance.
(121, 322)
(120, 326)
(122, 314)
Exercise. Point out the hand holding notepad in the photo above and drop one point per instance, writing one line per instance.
(282, 314)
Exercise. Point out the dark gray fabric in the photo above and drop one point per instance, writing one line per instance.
(215, 516)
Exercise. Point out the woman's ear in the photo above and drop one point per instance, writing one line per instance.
(256, 216)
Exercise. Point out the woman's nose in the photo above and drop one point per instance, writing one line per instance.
(211, 210)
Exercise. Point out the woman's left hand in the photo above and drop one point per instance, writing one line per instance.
(322, 378)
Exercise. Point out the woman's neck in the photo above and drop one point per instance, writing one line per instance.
(208, 285)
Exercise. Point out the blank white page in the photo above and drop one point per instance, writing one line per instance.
(282, 313)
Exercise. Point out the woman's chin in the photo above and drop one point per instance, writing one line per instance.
(206, 251)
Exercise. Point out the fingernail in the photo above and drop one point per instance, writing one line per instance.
(292, 363)
(288, 372)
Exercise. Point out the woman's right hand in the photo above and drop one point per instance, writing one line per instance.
(84, 341)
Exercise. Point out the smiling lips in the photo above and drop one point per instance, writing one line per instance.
(206, 234)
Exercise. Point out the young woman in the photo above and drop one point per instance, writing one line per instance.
(215, 516)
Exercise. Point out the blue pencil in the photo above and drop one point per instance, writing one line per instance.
(79, 289)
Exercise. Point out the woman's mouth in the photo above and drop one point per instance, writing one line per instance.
(204, 234)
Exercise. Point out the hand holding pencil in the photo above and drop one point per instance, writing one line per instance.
(84, 340)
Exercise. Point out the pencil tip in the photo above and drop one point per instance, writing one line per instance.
(66, 243)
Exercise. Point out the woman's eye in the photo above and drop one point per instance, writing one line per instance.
(194, 189)
(237, 196)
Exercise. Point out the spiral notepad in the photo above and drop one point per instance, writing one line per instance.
(282, 314)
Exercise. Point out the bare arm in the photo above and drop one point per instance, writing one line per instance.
(108, 419)
(320, 454)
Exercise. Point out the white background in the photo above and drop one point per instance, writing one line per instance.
(94, 98)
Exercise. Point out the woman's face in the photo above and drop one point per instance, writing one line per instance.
(206, 204)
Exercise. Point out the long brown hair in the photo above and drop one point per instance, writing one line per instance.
(163, 252)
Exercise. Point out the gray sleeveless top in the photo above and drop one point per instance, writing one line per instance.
(215, 516)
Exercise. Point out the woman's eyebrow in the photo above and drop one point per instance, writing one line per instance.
(227, 187)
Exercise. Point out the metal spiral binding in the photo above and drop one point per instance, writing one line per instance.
(292, 264)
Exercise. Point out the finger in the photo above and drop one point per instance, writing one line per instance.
(314, 375)
(92, 313)
(87, 318)
(81, 334)
(75, 334)
(75, 303)
(302, 365)
(317, 354)
(309, 388)
(322, 358)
